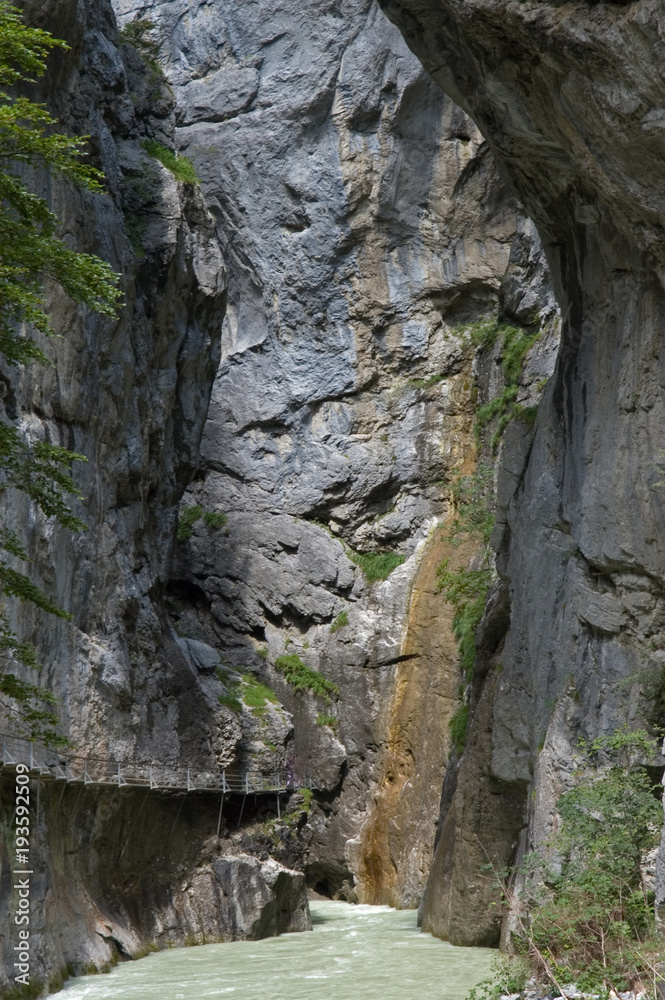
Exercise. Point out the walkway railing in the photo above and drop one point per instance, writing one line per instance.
(48, 764)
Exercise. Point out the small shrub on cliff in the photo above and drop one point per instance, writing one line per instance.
(32, 251)
(255, 694)
(376, 565)
(466, 590)
(230, 701)
(586, 914)
(516, 343)
(139, 33)
(303, 678)
(457, 726)
(187, 518)
(181, 167)
(341, 621)
(473, 499)
(215, 518)
(331, 721)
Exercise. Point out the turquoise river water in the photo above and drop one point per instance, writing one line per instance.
(354, 952)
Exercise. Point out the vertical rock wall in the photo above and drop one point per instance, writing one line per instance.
(569, 98)
(362, 222)
(131, 395)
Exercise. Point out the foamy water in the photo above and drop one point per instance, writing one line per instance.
(368, 952)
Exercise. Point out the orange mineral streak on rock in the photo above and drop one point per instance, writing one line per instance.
(397, 840)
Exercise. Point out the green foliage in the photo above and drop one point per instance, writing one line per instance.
(139, 34)
(341, 621)
(481, 334)
(306, 795)
(30, 247)
(473, 497)
(31, 252)
(215, 518)
(591, 917)
(246, 690)
(328, 720)
(230, 701)
(457, 726)
(425, 383)
(466, 590)
(303, 678)
(187, 518)
(255, 694)
(262, 653)
(509, 975)
(376, 565)
(515, 345)
(181, 167)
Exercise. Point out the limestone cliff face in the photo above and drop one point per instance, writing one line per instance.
(131, 395)
(362, 222)
(570, 98)
(355, 213)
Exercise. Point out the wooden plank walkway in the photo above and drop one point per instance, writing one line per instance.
(48, 764)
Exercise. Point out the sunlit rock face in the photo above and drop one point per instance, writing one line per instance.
(570, 98)
(362, 222)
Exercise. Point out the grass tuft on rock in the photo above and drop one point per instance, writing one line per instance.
(187, 518)
(341, 621)
(304, 678)
(230, 701)
(331, 721)
(181, 167)
(376, 565)
(215, 519)
(255, 694)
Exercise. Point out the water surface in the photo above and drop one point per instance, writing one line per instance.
(354, 952)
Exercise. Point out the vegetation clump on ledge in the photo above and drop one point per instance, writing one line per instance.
(304, 678)
(188, 516)
(516, 343)
(331, 721)
(247, 691)
(181, 167)
(341, 621)
(466, 589)
(583, 911)
(376, 565)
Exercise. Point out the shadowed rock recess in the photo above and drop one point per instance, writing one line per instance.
(571, 99)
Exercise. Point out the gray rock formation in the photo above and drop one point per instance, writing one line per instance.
(569, 99)
(115, 876)
(132, 396)
(357, 216)
(362, 223)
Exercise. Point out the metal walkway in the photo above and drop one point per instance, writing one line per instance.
(47, 764)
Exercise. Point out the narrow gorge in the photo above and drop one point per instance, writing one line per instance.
(307, 360)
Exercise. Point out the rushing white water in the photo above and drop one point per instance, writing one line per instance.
(368, 952)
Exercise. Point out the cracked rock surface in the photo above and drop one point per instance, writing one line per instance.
(362, 223)
(569, 97)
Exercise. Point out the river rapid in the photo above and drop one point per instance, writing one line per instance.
(368, 952)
